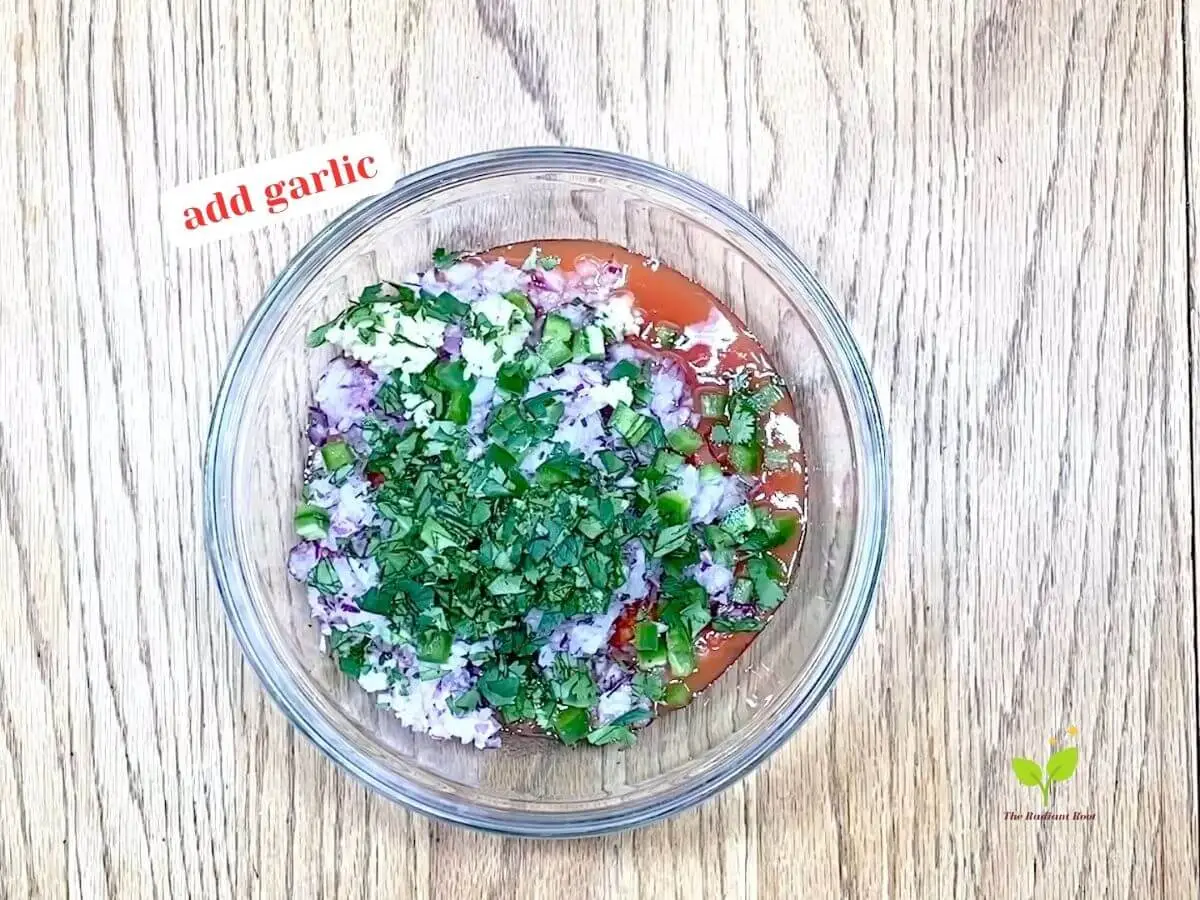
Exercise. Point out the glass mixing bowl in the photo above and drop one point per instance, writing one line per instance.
(533, 786)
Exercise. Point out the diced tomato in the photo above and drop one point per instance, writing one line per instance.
(719, 453)
(704, 455)
(376, 479)
(623, 628)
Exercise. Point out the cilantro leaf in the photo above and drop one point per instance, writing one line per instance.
(695, 615)
(671, 539)
(444, 259)
(445, 307)
(499, 690)
(768, 591)
(635, 716)
(727, 625)
(325, 578)
(434, 646)
(572, 686)
(352, 664)
(350, 649)
(765, 397)
(741, 425)
(649, 685)
(506, 584)
(464, 703)
(621, 735)
(571, 725)
(375, 602)
(316, 337)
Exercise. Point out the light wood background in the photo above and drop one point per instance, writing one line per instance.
(997, 194)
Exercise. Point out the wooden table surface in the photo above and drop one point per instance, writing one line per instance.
(997, 196)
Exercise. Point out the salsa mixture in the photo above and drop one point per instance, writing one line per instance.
(552, 488)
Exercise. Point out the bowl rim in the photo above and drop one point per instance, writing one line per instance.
(858, 591)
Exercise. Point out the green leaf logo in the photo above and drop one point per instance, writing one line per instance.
(1027, 771)
(1059, 767)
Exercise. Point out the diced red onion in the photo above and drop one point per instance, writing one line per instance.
(344, 393)
(318, 426)
(452, 339)
(302, 560)
(716, 579)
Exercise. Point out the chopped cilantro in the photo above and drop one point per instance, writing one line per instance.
(775, 458)
(765, 573)
(725, 625)
(445, 306)
(350, 650)
(465, 703)
(672, 538)
(742, 425)
(325, 578)
(765, 397)
(389, 396)
(498, 689)
(351, 664)
(491, 529)
(444, 259)
(571, 724)
(375, 601)
(507, 583)
(572, 686)
(434, 646)
(316, 337)
(436, 536)
(636, 716)
(620, 735)
(743, 590)
(666, 335)
(648, 685)
(695, 615)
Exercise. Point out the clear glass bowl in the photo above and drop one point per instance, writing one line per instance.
(533, 786)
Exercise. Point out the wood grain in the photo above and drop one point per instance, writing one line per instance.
(995, 193)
